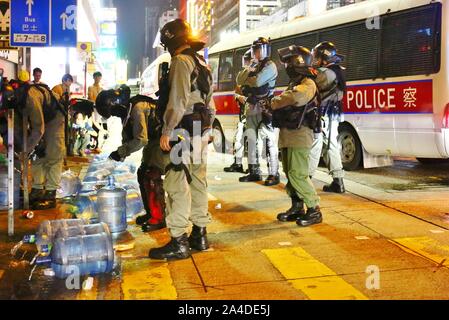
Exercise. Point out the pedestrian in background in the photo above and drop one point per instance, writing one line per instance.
(83, 133)
(100, 124)
(63, 89)
(95, 89)
(37, 75)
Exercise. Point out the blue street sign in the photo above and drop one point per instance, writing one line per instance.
(63, 23)
(30, 25)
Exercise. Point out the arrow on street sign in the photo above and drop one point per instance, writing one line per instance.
(64, 17)
(30, 23)
(64, 23)
(30, 4)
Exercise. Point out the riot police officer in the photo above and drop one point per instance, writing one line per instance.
(189, 105)
(134, 113)
(257, 83)
(46, 144)
(296, 114)
(332, 85)
(239, 143)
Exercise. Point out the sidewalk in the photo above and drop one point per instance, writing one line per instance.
(402, 235)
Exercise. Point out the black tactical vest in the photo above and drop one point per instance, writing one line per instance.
(154, 125)
(254, 95)
(335, 108)
(201, 79)
(294, 117)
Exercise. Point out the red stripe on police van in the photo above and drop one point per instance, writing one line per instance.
(226, 105)
(396, 97)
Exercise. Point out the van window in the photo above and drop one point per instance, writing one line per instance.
(411, 42)
(238, 59)
(213, 63)
(226, 81)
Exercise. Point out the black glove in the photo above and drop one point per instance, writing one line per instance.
(115, 156)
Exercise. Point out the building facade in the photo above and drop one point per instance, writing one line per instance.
(231, 17)
(199, 13)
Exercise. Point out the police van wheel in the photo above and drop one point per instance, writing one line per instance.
(219, 138)
(351, 148)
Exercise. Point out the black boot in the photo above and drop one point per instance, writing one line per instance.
(273, 180)
(234, 168)
(149, 227)
(294, 213)
(313, 216)
(36, 195)
(177, 248)
(255, 174)
(337, 186)
(198, 239)
(48, 201)
(140, 220)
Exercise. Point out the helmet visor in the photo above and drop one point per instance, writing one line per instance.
(260, 51)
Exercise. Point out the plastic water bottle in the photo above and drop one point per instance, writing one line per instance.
(81, 255)
(86, 206)
(46, 232)
(69, 186)
(111, 205)
(134, 204)
(83, 230)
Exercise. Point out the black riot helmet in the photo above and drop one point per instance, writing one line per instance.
(105, 100)
(177, 33)
(298, 61)
(124, 94)
(113, 103)
(327, 52)
(265, 48)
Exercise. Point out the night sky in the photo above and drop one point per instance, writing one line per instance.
(130, 29)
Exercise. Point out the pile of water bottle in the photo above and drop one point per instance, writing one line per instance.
(103, 203)
(72, 246)
(109, 179)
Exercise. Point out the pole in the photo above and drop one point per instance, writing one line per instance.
(11, 172)
(85, 79)
(26, 200)
(66, 120)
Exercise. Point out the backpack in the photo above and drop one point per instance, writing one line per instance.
(201, 77)
(49, 108)
(154, 125)
(332, 109)
(341, 77)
